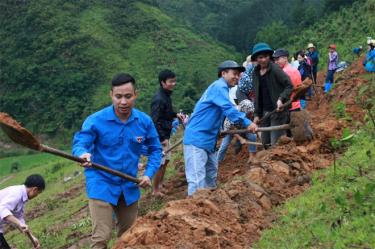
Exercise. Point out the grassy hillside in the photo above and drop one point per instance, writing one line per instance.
(347, 28)
(58, 59)
(51, 216)
(24, 162)
(338, 210)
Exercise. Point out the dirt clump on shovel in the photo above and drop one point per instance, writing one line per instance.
(17, 133)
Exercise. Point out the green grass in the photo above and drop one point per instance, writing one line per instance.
(339, 209)
(55, 221)
(26, 162)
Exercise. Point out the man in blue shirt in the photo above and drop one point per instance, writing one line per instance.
(204, 125)
(115, 136)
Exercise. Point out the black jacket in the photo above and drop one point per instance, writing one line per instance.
(162, 113)
(279, 85)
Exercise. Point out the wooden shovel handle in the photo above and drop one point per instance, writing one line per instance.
(94, 165)
(35, 244)
(268, 114)
(271, 128)
(173, 146)
(253, 143)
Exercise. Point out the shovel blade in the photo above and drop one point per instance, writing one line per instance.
(300, 126)
(17, 133)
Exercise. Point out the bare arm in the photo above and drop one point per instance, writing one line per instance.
(13, 220)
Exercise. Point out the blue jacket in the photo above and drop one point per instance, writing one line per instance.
(314, 59)
(117, 145)
(208, 116)
(369, 62)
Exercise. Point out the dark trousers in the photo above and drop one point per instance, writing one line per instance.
(329, 77)
(3, 242)
(314, 73)
(277, 118)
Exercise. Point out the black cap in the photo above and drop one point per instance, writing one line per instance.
(280, 52)
(229, 64)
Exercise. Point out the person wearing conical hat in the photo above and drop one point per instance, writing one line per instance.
(313, 54)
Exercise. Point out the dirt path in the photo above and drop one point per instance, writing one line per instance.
(5, 179)
(234, 215)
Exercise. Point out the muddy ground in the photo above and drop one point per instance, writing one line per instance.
(234, 215)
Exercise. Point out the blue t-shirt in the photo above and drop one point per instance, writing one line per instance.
(118, 146)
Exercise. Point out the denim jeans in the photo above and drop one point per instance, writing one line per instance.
(226, 142)
(200, 168)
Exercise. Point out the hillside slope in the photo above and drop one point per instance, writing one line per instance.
(57, 58)
(347, 28)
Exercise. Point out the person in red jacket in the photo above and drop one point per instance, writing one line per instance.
(281, 58)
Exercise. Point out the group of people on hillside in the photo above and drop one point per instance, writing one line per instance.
(119, 134)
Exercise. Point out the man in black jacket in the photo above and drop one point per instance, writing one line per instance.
(272, 89)
(162, 114)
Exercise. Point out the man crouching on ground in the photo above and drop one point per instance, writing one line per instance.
(114, 136)
(12, 202)
(204, 125)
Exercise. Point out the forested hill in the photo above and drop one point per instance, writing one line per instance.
(290, 23)
(238, 22)
(347, 28)
(57, 58)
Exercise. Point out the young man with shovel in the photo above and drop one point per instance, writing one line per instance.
(204, 125)
(115, 136)
(12, 203)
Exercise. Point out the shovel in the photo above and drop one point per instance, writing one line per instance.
(35, 244)
(298, 93)
(271, 128)
(299, 127)
(177, 143)
(23, 137)
(173, 146)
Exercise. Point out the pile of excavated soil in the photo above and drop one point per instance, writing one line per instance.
(234, 215)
